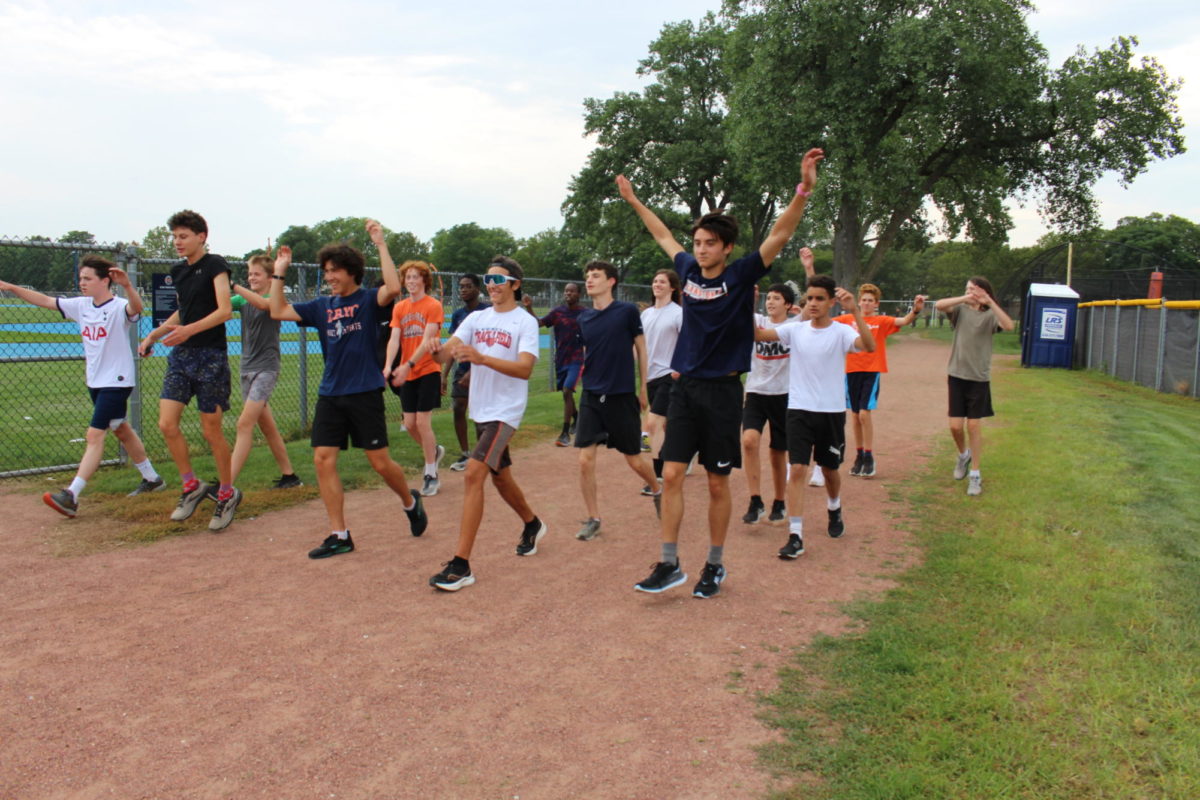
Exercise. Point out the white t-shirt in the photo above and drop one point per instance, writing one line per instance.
(500, 334)
(105, 331)
(769, 366)
(661, 326)
(817, 366)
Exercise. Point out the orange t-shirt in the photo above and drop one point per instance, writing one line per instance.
(881, 328)
(412, 317)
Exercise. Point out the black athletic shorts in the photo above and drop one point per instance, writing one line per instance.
(862, 391)
(491, 444)
(816, 435)
(356, 417)
(612, 419)
(109, 404)
(461, 373)
(970, 399)
(420, 394)
(705, 417)
(658, 393)
(763, 408)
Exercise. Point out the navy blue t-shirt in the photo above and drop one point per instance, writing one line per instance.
(608, 347)
(347, 329)
(461, 368)
(717, 336)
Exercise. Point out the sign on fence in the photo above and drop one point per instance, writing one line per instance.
(165, 300)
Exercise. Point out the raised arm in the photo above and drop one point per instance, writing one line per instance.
(785, 226)
(254, 298)
(947, 303)
(222, 314)
(280, 307)
(29, 295)
(391, 279)
(657, 228)
(121, 278)
(866, 339)
(913, 313)
(806, 258)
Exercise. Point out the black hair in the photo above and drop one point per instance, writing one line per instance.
(784, 291)
(98, 265)
(608, 269)
(986, 285)
(343, 256)
(188, 219)
(513, 267)
(825, 282)
(723, 226)
(473, 278)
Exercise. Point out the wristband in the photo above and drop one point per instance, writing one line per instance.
(800, 191)
(279, 277)
(411, 364)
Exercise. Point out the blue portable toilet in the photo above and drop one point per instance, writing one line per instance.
(1048, 325)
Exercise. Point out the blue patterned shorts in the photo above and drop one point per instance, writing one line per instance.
(200, 372)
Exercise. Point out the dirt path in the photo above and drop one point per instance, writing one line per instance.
(233, 666)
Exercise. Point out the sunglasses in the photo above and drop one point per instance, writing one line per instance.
(496, 279)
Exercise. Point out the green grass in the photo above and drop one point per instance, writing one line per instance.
(1003, 343)
(1047, 645)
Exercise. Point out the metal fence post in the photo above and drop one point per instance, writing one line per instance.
(301, 288)
(1137, 342)
(1196, 361)
(1091, 335)
(1162, 348)
(1112, 368)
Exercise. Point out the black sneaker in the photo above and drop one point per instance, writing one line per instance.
(288, 482)
(756, 511)
(418, 520)
(455, 575)
(189, 500)
(213, 487)
(856, 470)
(778, 511)
(868, 465)
(563, 440)
(223, 515)
(145, 487)
(710, 581)
(530, 536)
(62, 501)
(794, 547)
(665, 576)
(836, 526)
(333, 546)
(461, 464)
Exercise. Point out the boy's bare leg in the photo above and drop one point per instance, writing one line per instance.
(672, 502)
(751, 441)
(266, 424)
(511, 493)
(250, 416)
(94, 452)
(641, 465)
(778, 460)
(170, 412)
(975, 432)
(587, 480)
(391, 472)
(210, 424)
(472, 510)
(330, 483)
(720, 505)
(795, 490)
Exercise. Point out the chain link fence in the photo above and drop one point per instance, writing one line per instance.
(43, 395)
(1152, 343)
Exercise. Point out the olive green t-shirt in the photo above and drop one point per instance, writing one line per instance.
(971, 353)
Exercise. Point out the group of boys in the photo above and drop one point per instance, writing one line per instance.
(798, 386)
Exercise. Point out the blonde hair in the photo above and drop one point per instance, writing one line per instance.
(259, 260)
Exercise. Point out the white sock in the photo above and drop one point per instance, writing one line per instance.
(431, 469)
(974, 473)
(76, 487)
(834, 504)
(147, 470)
(343, 535)
(796, 526)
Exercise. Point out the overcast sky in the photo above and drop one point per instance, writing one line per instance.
(424, 115)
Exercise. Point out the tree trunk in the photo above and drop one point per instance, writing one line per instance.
(847, 245)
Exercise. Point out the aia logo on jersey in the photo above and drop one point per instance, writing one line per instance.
(492, 336)
(93, 332)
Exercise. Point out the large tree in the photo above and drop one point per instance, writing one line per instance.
(469, 246)
(934, 105)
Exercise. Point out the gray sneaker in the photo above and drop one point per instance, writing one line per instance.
(975, 485)
(589, 531)
(145, 487)
(188, 502)
(223, 515)
(960, 466)
(432, 484)
(438, 454)
(461, 464)
(62, 501)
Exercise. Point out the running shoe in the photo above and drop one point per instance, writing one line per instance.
(418, 520)
(563, 440)
(794, 547)
(456, 574)
(663, 576)
(589, 531)
(461, 463)
(431, 486)
(147, 486)
(530, 536)
(756, 511)
(288, 482)
(778, 511)
(816, 476)
(651, 491)
(439, 453)
(868, 465)
(710, 581)
(975, 486)
(333, 546)
(189, 500)
(223, 515)
(836, 526)
(62, 501)
(961, 465)
(856, 470)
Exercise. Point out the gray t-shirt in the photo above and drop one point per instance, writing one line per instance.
(260, 338)
(971, 353)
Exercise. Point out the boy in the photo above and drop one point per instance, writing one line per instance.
(105, 322)
(610, 408)
(460, 386)
(198, 365)
(417, 325)
(766, 401)
(816, 417)
(568, 353)
(259, 372)
(501, 344)
(976, 317)
(350, 398)
(863, 371)
(713, 350)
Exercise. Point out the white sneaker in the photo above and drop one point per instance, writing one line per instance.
(816, 477)
(692, 464)
(960, 466)
(975, 486)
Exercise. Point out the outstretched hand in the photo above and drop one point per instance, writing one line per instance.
(120, 277)
(808, 168)
(806, 258)
(846, 299)
(626, 189)
(283, 260)
(375, 231)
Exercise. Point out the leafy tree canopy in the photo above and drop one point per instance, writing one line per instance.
(468, 247)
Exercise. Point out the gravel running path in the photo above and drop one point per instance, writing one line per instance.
(215, 666)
